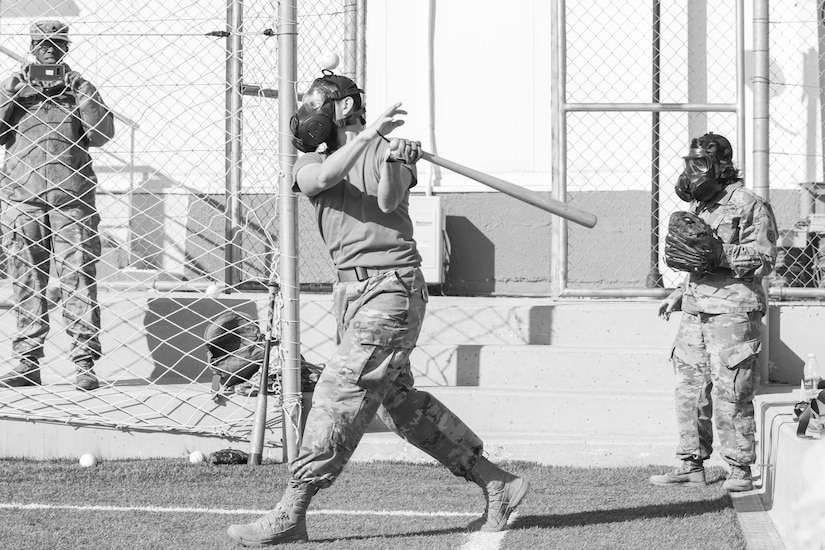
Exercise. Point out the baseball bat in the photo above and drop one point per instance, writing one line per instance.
(259, 423)
(547, 204)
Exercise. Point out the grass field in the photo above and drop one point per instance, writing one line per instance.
(171, 504)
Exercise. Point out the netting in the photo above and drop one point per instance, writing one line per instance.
(179, 205)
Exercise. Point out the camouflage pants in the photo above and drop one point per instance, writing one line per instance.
(378, 324)
(32, 234)
(715, 358)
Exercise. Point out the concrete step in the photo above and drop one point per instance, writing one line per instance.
(596, 413)
(554, 449)
(543, 367)
(515, 321)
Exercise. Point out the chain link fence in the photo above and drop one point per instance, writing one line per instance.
(622, 156)
(797, 70)
(187, 189)
(187, 195)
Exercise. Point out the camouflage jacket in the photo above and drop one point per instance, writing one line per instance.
(47, 132)
(746, 225)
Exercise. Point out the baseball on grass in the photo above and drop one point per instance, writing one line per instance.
(88, 460)
(196, 457)
(328, 60)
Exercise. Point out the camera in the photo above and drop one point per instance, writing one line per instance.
(48, 73)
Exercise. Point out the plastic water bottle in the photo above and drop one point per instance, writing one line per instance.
(811, 377)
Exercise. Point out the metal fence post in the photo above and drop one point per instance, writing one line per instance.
(559, 145)
(290, 316)
(234, 138)
(654, 277)
(761, 143)
(351, 39)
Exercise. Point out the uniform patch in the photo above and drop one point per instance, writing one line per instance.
(771, 235)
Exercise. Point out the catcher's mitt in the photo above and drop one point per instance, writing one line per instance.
(690, 244)
(228, 456)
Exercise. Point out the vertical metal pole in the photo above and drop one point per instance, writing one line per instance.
(234, 100)
(350, 39)
(807, 200)
(697, 51)
(559, 139)
(654, 277)
(290, 318)
(435, 170)
(761, 134)
(741, 121)
(361, 67)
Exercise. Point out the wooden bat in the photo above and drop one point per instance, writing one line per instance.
(516, 191)
(259, 423)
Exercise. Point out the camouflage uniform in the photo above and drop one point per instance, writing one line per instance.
(715, 355)
(360, 194)
(48, 189)
(378, 324)
(379, 319)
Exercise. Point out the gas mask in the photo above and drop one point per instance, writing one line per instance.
(315, 122)
(708, 169)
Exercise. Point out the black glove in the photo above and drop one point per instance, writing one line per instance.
(690, 244)
(229, 456)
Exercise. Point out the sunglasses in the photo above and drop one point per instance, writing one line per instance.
(46, 44)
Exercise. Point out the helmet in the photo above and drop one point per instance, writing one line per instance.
(234, 347)
(315, 121)
(708, 168)
(718, 147)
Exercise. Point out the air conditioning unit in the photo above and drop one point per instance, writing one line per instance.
(428, 226)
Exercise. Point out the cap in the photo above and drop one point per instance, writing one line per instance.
(49, 30)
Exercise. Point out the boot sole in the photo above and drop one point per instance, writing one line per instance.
(688, 483)
(296, 537)
(737, 489)
(515, 500)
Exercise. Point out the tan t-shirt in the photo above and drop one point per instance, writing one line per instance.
(356, 232)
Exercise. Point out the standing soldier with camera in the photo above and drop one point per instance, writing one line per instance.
(49, 117)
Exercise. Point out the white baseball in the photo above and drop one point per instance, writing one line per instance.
(196, 457)
(328, 60)
(88, 460)
(213, 290)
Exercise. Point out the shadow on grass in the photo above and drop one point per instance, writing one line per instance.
(618, 515)
(417, 533)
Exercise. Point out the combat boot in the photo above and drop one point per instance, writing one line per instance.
(286, 523)
(739, 479)
(503, 492)
(27, 373)
(86, 379)
(690, 472)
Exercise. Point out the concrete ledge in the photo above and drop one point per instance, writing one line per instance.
(793, 476)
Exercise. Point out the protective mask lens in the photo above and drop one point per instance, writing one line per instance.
(314, 99)
(695, 166)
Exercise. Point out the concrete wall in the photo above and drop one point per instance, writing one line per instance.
(497, 245)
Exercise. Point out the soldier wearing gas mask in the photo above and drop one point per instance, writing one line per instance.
(715, 355)
(358, 180)
(49, 117)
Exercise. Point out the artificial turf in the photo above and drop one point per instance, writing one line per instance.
(172, 504)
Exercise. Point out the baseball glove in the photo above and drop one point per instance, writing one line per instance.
(228, 456)
(690, 244)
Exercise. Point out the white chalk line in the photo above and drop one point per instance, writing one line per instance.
(225, 512)
(482, 540)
